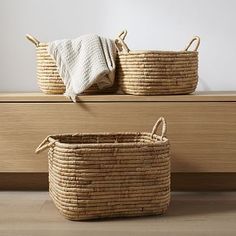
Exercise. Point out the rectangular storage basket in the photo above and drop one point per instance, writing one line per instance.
(109, 174)
(156, 72)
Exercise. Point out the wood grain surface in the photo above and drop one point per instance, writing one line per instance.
(214, 96)
(202, 134)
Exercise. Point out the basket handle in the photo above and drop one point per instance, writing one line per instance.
(46, 143)
(120, 44)
(157, 124)
(32, 39)
(197, 39)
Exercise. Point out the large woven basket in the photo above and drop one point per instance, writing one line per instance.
(156, 72)
(49, 80)
(109, 174)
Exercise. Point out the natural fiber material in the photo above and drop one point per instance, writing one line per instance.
(156, 72)
(49, 79)
(109, 174)
(83, 62)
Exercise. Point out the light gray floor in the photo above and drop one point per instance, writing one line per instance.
(33, 213)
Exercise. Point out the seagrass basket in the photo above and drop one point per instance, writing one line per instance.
(49, 80)
(156, 72)
(99, 175)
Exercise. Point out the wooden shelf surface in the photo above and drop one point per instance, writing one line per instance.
(229, 96)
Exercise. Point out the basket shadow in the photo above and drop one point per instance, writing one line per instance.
(201, 203)
(189, 206)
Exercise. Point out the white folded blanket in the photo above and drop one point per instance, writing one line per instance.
(84, 61)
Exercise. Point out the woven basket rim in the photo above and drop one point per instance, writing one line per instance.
(157, 52)
(45, 44)
(157, 140)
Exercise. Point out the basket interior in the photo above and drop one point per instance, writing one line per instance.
(107, 138)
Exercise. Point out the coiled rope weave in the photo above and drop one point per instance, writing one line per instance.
(49, 80)
(156, 72)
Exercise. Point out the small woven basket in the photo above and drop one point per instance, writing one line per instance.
(109, 174)
(156, 72)
(49, 80)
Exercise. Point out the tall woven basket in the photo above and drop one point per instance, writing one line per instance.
(49, 80)
(156, 72)
(99, 175)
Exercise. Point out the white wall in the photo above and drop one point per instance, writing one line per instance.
(152, 24)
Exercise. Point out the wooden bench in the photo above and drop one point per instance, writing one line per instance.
(201, 129)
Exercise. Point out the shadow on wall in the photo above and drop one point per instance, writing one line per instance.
(203, 85)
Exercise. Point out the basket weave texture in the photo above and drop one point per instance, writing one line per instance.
(156, 72)
(109, 174)
(49, 80)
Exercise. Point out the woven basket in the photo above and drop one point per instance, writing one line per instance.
(109, 174)
(49, 80)
(156, 72)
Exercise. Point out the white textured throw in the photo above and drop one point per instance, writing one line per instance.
(84, 61)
